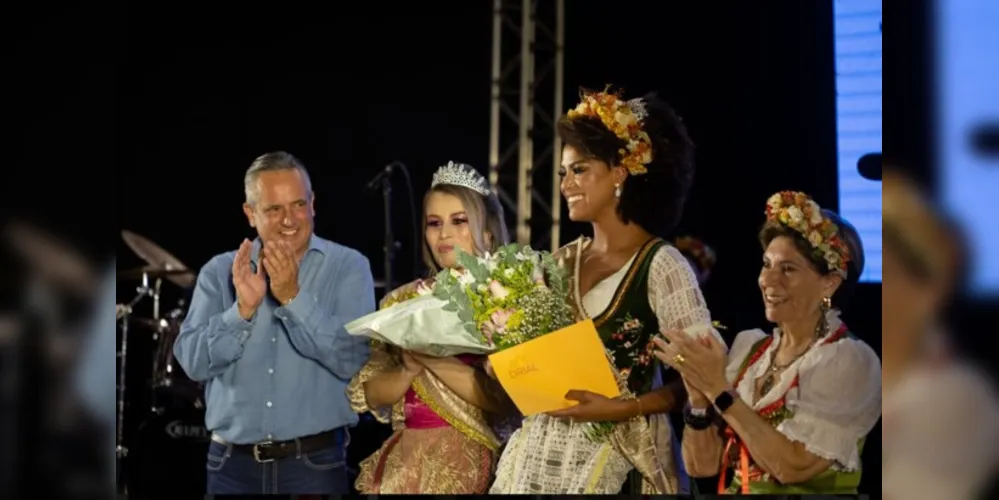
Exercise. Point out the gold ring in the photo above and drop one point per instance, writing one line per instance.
(679, 359)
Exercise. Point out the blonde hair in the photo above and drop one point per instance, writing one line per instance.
(485, 218)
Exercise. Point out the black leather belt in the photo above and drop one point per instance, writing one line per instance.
(270, 451)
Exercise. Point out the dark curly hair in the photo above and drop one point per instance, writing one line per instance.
(844, 294)
(653, 200)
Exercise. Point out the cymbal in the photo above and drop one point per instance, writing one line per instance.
(50, 258)
(157, 325)
(160, 259)
(154, 273)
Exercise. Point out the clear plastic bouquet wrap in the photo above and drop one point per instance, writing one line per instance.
(494, 302)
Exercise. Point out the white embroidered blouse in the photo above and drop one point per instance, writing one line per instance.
(833, 390)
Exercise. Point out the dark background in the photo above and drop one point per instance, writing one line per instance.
(192, 96)
(348, 92)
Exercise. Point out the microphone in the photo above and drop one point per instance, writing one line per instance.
(383, 174)
(870, 166)
(985, 140)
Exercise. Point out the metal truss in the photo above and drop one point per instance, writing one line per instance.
(529, 36)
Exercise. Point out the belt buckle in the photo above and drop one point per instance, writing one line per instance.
(256, 452)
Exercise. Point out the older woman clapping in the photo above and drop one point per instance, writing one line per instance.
(787, 411)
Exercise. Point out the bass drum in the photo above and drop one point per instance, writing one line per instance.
(167, 457)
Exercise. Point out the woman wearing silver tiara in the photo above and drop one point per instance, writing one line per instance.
(626, 169)
(438, 407)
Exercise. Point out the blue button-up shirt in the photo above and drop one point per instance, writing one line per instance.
(283, 374)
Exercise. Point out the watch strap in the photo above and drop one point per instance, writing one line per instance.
(724, 401)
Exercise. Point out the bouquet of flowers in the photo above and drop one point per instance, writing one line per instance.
(494, 302)
(508, 297)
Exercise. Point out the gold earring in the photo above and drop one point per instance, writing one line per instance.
(617, 190)
(826, 303)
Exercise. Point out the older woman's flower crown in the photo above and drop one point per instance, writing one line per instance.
(799, 212)
(625, 119)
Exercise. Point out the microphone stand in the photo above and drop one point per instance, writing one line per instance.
(121, 451)
(390, 244)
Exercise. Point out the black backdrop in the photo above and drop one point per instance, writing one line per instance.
(200, 94)
(350, 92)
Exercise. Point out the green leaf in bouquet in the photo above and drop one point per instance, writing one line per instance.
(510, 255)
(450, 306)
(443, 283)
(556, 277)
(441, 292)
(471, 264)
(466, 260)
(472, 329)
(466, 316)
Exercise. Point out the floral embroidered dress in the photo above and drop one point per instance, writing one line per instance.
(440, 444)
(828, 399)
(655, 289)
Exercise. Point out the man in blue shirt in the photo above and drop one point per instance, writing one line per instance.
(265, 332)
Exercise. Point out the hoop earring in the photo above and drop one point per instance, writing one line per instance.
(617, 190)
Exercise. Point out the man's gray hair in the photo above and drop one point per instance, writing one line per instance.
(269, 162)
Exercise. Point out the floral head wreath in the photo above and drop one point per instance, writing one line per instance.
(702, 254)
(799, 212)
(625, 119)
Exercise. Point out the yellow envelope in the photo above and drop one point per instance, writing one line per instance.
(538, 374)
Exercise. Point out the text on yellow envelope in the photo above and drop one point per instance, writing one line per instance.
(538, 374)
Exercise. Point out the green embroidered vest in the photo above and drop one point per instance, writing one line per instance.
(628, 324)
(627, 327)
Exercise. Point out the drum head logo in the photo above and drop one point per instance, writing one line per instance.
(178, 429)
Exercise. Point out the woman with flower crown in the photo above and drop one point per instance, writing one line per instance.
(439, 408)
(626, 168)
(787, 412)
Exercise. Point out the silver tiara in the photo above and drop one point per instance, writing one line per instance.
(454, 174)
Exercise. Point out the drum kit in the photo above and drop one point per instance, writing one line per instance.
(161, 414)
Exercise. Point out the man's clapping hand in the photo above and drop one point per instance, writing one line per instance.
(250, 286)
(282, 267)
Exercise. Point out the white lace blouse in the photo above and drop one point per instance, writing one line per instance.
(674, 294)
(833, 390)
(553, 456)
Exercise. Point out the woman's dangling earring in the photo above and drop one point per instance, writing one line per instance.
(823, 327)
(617, 190)
(825, 306)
